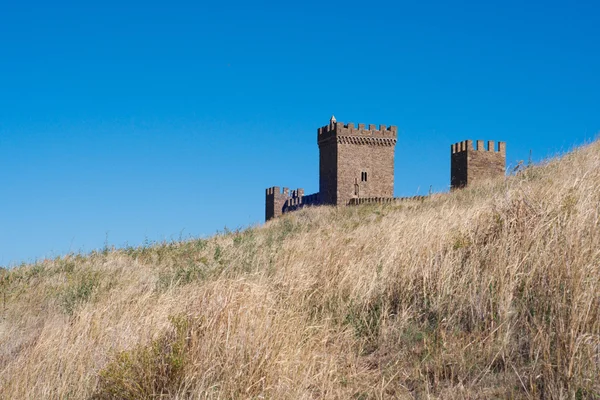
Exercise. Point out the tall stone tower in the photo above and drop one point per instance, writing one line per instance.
(355, 162)
(469, 165)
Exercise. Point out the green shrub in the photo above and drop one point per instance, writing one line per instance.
(147, 372)
(79, 290)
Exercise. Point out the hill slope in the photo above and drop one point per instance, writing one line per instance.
(488, 292)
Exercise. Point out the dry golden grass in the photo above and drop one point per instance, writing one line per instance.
(488, 292)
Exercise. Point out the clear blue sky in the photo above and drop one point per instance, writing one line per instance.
(124, 121)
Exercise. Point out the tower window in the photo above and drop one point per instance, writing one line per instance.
(363, 176)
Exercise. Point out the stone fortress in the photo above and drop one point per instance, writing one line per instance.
(356, 166)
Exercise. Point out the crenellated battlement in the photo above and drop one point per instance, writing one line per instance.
(298, 193)
(272, 190)
(298, 200)
(349, 133)
(276, 190)
(383, 200)
(467, 145)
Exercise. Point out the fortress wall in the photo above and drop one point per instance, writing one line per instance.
(296, 203)
(382, 200)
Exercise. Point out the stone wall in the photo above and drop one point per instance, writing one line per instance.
(279, 202)
(358, 161)
(328, 171)
(297, 202)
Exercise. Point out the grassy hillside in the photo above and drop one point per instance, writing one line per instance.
(488, 292)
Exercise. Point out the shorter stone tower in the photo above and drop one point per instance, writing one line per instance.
(278, 202)
(275, 200)
(470, 165)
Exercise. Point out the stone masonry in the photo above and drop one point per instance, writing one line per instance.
(355, 162)
(356, 166)
(275, 201)
(469, 165)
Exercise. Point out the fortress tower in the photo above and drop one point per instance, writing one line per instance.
(355, 162)
(275, 200)
(469, 164)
